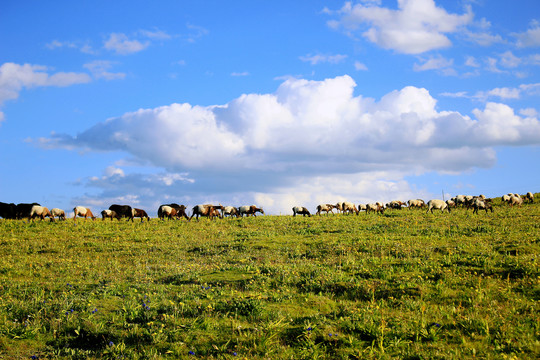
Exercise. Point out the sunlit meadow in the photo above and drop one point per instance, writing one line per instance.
(405, 284)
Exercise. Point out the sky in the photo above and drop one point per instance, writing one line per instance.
(273, 103)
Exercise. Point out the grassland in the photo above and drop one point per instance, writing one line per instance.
(406, 285)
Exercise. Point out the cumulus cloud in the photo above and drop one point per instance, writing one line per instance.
(415, 27)
(15, 77)
(121, 44)
(305, 130)
(529, 38)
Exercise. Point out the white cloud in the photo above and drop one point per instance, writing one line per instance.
(100, 70)
(239, 74)
(415, 27)
(269, 144)
(122, 45)
(360, 66)
(15, 77)
(320, 58)
(435, 63)
(529, 38)
(509, 60)
(472, 62)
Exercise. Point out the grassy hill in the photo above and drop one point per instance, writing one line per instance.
(402, 285)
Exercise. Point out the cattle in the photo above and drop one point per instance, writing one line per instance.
(231, 211)
(24, 210)
(110, 214)
(481, 204)
(207, 210)
(61, 214)
(375, 207)
(8, 211)
(438, 205)
(40, 211)
(349, 208)
(122, 211)
(140, 213)
(249, 210)
(167, 211)
(416, 203)
(325, 207)
(300, 210)
(82, 212)
(180, 211)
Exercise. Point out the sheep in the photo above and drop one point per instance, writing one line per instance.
(395, 204)
(300, 210)
(362, 207)
(376, 207)
(41, 212)
(451, 203)
(61, 214)
(325, 207)
(480, 204)
(437, 204)
(416, 203)
(529, 197)
(349, 207)
(339, 207)
(515, 200)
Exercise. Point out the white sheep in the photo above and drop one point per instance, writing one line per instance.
(438, 205)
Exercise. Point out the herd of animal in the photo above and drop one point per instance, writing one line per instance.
(175, 211)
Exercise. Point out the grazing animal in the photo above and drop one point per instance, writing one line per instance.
(349, 208)
(325, 207)
(339, 206)
(140, 213)
(167, 211)
(375, 207)
(40, 211)
(8, 211)
(61, 214)
(111, 214)
(515, 200)
(249, 210)
(362, 207)
(180, 211)
(207, 210)
(416, 203)
(438, 205)
(24, 210)
(395, 204)
(231, 211)
(301, 211)
(481, 204)
(529, 197)
(82, 212)
(122, 211)
(451, 203)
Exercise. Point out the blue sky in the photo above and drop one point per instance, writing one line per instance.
(270, 103)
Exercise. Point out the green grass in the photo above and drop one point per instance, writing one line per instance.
(404, 285)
